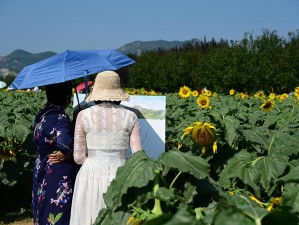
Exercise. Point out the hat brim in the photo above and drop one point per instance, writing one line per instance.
(108, 95)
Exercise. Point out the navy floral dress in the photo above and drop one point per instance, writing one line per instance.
(53, 184)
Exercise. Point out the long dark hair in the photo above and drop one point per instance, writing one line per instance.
(59, 93)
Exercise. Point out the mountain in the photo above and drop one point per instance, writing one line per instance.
(137, 47)
(17, 60)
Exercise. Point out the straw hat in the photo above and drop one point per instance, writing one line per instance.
(107, 88)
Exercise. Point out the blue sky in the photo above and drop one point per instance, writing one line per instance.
(57, 25)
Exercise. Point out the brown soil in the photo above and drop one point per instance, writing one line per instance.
(22, 222)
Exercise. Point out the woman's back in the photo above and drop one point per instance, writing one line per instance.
(108, 126)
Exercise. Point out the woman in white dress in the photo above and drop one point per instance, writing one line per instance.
(102, 134)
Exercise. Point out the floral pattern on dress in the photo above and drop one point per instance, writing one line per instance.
(64, 192)
(41, 193)
(52, 182)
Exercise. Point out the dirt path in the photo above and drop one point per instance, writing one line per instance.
(22, 222)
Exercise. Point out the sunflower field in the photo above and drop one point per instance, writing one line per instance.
(230, 158)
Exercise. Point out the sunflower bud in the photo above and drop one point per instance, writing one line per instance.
(203, 134)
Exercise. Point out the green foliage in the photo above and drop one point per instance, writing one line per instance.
(256, 164)
(18, 110)
(267, 62)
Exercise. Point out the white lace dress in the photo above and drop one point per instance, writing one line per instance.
(102, 134)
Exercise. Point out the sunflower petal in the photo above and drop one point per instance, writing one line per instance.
(215, 147)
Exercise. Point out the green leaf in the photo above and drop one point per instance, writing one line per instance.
(252, 178)
(270, 168)
(183, 216)
(103, 217)
(230, 215)
(281, 216)
(107, 217)
(257, 136)
(137, 171)
(18, 131)
(231, 124)
(255, 212)
(167, 195)
(291, 196)
(239, 207)
(186, 162)
(292, 176)
(235, 168)
(57, 217)
(189, 193)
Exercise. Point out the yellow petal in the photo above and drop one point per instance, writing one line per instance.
(179, 145)
(203, 150)
(215, 147)
(187, 131)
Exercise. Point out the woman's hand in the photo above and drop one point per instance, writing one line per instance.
(59, 157)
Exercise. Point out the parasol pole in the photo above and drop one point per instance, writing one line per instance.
(86, 82)
(74, 85)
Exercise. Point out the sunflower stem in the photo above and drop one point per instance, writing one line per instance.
(157, 210)
(174, 180)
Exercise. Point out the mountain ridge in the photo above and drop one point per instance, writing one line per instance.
(14, 62)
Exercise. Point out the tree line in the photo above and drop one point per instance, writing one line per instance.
(267, 62)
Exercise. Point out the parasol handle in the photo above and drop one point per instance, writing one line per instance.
(86, 82)
(76, 94)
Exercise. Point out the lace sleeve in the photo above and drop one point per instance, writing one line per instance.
(79, 140)
(135, 138)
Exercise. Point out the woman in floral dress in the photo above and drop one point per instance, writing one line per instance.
(54, 170)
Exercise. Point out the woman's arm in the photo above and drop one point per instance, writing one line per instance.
(135, 138)
(64, 141)
(80, 140)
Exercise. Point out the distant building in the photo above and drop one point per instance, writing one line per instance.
(6, 72)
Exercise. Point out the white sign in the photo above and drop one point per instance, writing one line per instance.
(151, 111)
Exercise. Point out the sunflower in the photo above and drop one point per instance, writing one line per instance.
(279, 97)
(152, 93)
(203, 101)
(7, 154)
(144, 92)
(284, 96)
(244, 95)
(272, 96)
(135, 92)
(276, 202)
(215, 94)
(208, 93)
(231, 92)
(203, 134)
(268, 105)
(238, 95)
(203, 91)
(259, 94)
(185, 92)
(133, 221)
(195, 93)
